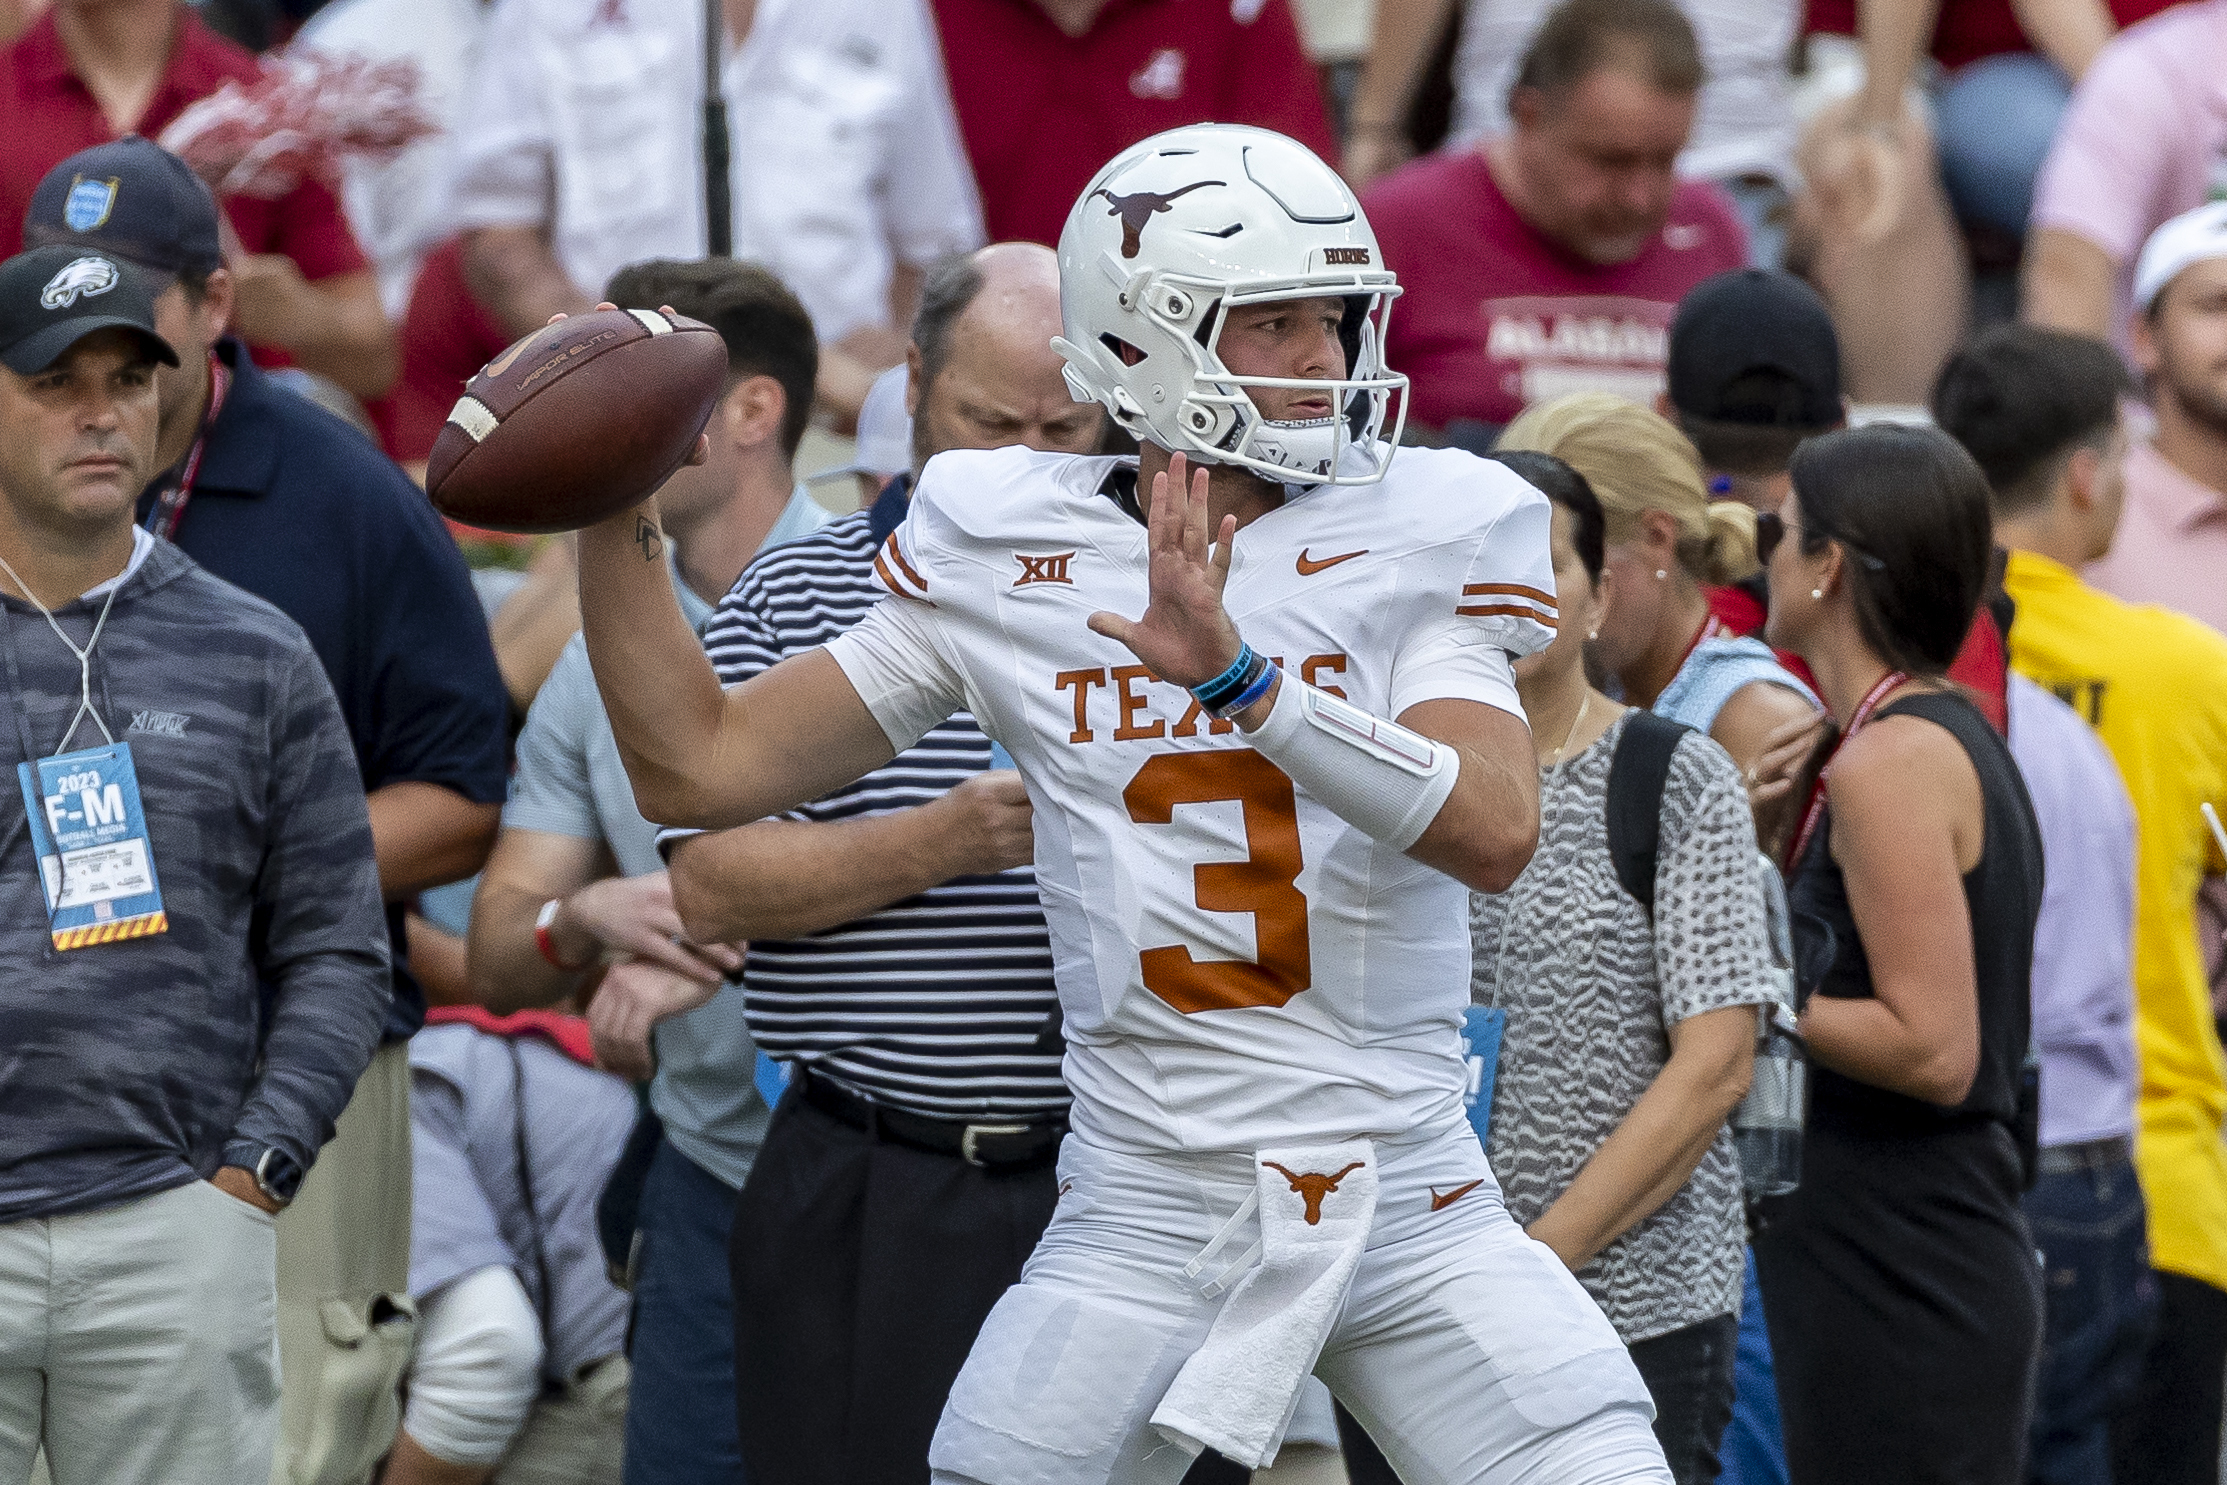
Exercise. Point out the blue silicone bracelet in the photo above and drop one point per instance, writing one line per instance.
(1213, 693)
(1246, 697)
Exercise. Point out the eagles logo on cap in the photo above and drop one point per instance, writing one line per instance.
(89, 203)
(81, 279)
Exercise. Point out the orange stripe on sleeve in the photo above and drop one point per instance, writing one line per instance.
(1509, 610)
(897, 555)
(1507, 590)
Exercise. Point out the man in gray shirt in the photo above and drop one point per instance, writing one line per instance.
(193, 839)
(549, 908)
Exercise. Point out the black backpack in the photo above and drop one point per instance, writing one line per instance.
(1637, 776)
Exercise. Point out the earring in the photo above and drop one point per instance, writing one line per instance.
(1662, 575)
(1592, 634)
(1817, 592)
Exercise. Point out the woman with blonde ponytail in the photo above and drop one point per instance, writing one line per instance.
(1667, 544)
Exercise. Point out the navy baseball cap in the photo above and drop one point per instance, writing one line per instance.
(53, 297)
(131, 199)
(1756, 347)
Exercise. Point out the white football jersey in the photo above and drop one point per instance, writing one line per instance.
(1238, 967)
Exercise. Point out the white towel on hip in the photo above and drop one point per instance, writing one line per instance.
(1237, 1392)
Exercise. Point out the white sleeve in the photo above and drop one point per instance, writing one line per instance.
(930, 194)
(1505, 608)
(502, 147)
(1451, 661)
(898, 667)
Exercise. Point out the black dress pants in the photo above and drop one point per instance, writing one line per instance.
(862, 1271)
(2169, 1431)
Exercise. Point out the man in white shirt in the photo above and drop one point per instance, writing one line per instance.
(580, 149)
(391, 204)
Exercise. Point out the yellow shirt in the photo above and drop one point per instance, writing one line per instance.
(2153, 684)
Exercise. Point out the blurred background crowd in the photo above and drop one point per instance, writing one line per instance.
(1654, 246)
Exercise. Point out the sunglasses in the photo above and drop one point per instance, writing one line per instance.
(1770, 530)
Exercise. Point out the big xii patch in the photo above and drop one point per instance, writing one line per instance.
(95, 864)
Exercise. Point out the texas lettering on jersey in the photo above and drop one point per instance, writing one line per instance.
(1238, 966)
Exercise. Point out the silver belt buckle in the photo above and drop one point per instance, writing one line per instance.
(976, 1131)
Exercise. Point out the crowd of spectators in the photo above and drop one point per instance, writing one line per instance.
(1863, 339)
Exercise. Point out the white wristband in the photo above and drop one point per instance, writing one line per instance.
(1383, 779)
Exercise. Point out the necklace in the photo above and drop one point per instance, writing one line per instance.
(1584, 703)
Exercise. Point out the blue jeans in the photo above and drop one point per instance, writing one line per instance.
(1995, 119)
(2099, 1302)
(1754, 1448)
(680, 1416)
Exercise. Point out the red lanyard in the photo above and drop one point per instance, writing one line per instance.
(1711, 628)
(170, 505)
(1864, 709)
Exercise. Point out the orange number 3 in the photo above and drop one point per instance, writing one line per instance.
(1263, 884)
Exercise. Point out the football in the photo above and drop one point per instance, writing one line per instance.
(577, 421)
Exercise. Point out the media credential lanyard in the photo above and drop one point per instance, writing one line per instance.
(96, 868)
(170, 505)
(1864, 709)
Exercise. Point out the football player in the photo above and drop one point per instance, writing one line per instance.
(1258, 684)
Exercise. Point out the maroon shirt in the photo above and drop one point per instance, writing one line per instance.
(1041, 111)
(1496, 316)
(50, 115)
(447, 336)
(1967, 30)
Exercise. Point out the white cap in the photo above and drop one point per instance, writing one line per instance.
(2193, 237)
(884, 445)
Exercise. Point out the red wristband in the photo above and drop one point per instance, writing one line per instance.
(548, 945)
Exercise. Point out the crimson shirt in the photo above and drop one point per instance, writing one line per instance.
(1981, 667)
(447, 336)
(1496, 316)
(50, 115)
(1041, 111)
(1968, 30)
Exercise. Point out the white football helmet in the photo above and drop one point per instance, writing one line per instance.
(1175, 233)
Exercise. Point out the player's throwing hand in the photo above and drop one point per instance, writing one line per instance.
(1185, 635)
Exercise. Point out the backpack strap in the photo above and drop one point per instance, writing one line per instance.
(1637, 776)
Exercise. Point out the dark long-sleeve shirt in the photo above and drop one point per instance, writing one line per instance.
(131, 1067)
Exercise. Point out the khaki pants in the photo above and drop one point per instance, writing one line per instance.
(575, 1436)
(136, 1341)
(345, 1318)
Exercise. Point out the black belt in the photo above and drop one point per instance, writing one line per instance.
(2103, 1154)
(988, 1146)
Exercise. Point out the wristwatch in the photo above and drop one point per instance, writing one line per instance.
(277, 1176)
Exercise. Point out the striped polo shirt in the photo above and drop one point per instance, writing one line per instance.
(938, 1004)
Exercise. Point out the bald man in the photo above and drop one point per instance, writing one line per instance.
(898, 963)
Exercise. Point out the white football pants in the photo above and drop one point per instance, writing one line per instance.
(1466, 1349)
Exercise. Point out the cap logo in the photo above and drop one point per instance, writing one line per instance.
(80, 280)
(89, 203)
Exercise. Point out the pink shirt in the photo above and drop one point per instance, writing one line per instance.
(2171, 548)
(2144, 139)
(1496, 316)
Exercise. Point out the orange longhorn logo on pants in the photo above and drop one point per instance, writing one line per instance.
(1313, 1186)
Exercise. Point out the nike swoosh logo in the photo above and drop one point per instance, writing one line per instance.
(1309, 569)
(1441, 1203)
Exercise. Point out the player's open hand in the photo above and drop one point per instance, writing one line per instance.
(1185, 635)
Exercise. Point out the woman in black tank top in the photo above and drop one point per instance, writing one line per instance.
(1899, 1280)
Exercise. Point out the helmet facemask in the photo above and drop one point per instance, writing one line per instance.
(1217, 422)
(1183, 230)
